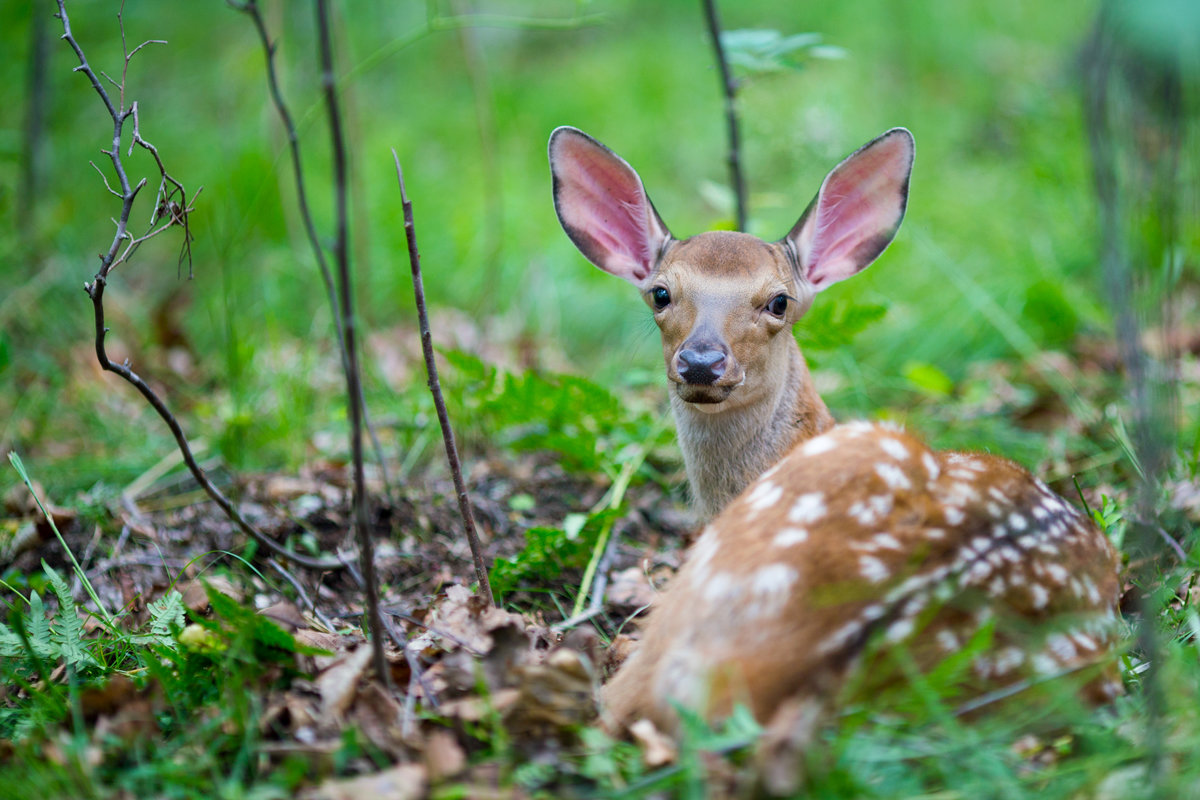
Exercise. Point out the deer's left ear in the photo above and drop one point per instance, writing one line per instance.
(857, 211)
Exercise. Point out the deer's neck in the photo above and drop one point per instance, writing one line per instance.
(725, 451)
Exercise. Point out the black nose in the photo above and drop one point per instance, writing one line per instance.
(701, 366)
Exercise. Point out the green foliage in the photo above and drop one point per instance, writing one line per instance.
(50, 636)
(764, 51)
(928, 380)
(583, 422)
(833, 324)
(548, 552)
(1110, 517)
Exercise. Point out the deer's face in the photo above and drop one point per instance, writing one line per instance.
(725, 304)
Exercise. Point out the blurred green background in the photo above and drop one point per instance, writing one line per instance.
(996, 259)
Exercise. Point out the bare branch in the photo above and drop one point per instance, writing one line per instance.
(729, 90)
(104, 178)
(341, 254)
(115, 255)
(250, 8)
(435, 387)
(133, 52)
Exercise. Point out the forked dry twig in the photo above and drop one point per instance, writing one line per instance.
(172, 208)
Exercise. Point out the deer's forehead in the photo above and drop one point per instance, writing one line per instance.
(735, 261)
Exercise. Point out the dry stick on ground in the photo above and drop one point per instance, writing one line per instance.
(341, 257)
(250, 8)
(172, 208)
(435, 388)
(729, 91)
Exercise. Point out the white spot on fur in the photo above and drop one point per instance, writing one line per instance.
(899, 630)
(892, 475)
(808, 508)
(994, 510)
(764, 495)
(1061, 646)
(821, 444)
(704, 551)
(873, 569)
(840, 637)
(770, 587)
(1044, 664)
(1084, 641)
(1058, 573)
(894, 448)
(931, 465)
(722, 588)
(935, 533)
(954, 515)
(871, 510)
(1039, 513)
(1008, 659)
(1038, 595)
(873, 612)
(790, 536)
(887, 541)
(769, 473)
(947, 641)
(977, 573)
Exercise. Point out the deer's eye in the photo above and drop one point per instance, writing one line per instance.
(778, 305)
(660, 297)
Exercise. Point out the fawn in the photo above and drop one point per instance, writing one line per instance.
(825, 541)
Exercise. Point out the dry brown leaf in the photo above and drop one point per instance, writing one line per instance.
(658, 749)
(631, 587)
(196, 598)
(377, 714)
(401, 782)
(556, 696)
(789, 734)
(444, 758)
(338, 686)
(322, 640)
(286, 615)
(475, 708)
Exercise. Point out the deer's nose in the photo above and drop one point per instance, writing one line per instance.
(704, 366)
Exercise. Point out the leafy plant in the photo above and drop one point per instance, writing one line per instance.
(48, 635)
(764, 50)
(584, 423)
(548, 552)
(830, 325)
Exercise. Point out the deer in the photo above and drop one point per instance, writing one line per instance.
(825, 545)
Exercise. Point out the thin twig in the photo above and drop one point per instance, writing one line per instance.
(404, 615)
(303, 595)
(729, 92)
(177, 197)
(435, 388)
(250, 8)
(341, 257)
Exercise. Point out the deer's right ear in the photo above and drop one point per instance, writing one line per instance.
(603, 207)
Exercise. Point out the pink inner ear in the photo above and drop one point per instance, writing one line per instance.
(858, 210)
(604, 207)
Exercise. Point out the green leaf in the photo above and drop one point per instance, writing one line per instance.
(928, 379)
(67, 630)
(39, 628)
(765, 51)
(830, 326)
(166, 616)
